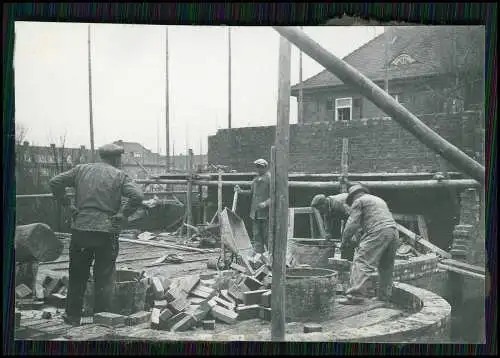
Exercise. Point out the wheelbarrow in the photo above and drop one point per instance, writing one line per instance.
(236, 240)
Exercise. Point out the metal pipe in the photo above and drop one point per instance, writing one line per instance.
(48, 195)
(384, 101)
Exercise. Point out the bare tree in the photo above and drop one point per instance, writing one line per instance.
(21, 132)
(461, 53)
(59, 151)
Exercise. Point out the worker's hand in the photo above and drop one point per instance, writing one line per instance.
(237, 188)
(117, 222)
(261, 205)
(74, 211)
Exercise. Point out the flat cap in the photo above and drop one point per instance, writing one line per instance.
(355, 189)
(318, 200)
(261, 163)
(111, 150)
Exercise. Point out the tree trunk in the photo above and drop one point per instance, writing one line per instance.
(36, 242)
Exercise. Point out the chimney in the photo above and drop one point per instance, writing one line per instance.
(26, 143)
(52, 145)
(82, 147)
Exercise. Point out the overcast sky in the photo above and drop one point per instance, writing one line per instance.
(128, 80)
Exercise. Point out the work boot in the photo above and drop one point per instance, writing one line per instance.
(73, 321)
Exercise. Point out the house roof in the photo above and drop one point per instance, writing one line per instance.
(132, 147)
(425, 44)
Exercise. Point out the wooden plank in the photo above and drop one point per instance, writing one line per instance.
(311, 226)
(281, 194)
(417, 240)
(462, 272)
(235, 201)
(189, 198)
(422, 227)
(272, 204)
(291, 222)
(303, 210)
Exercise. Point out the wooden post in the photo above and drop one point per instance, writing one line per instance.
(189, 194)
(272, 205)
(91, 117)
(281, 192)
(229, 77)
(200, 214)
(219, 205)
(167, 103)
(344, 167)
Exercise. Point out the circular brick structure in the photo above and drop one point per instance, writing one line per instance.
(427, 321)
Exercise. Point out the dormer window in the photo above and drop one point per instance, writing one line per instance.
(403, 59)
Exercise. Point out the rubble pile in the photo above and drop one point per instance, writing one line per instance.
(52, 289)
(202, 300)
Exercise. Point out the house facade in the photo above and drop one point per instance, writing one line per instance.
(431, 69)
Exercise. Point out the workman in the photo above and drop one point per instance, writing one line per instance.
(259, 209)
(98, 217)
(334, 209)
(377, 246)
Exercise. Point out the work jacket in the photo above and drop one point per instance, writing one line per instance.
(99, 188)
(260, 190)
(369, 214)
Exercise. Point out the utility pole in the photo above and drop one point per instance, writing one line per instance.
(301, 93)
(280, 194)
(387, 42)
(91, 118)
(167, 105)
(229, 77)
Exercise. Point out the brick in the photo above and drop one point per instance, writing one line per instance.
(224, 315)
(173, 294)
(52, 284)
(265, 299)
(253, 297)
(267, 281)
(109, 319)
(239, 268)
(46, 314)
(57, 299)
(174, 320)
(189, 283)
(252, 283)
(204, 309)
(212, 264)
(265, 314)
(184, 324)
(208, 275)
(164, 317)
(155, 318)
(204, 292)
(208, 324)
(39, 292)
(261, 273)
(312, 327)
(17, 319)
(223, 303)
(235, 292)
(138, 318)
(157, 288)
(160, 304)
(196, 300)
(225, 295)
(178, 305)
(208, 283)
(23, 291)
(29, 304)
(248, 312)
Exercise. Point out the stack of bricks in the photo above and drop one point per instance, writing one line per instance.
(52, 289)
(471, 216)
(462, 243)
(230, 296)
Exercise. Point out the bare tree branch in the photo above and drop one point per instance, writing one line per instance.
(20, 133)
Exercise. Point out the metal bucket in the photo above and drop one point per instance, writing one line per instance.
(312, 252)
(309, 294)
(129, 294)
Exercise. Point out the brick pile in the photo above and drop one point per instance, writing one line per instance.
(51, 289)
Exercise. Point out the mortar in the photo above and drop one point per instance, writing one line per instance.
(312, 252)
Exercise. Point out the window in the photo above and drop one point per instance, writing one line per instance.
(403, 59)
(137, 155)
(329, 104)
(343, 109)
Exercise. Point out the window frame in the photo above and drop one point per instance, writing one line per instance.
(337, 107)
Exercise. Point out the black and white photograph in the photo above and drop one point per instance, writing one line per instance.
(249, 183)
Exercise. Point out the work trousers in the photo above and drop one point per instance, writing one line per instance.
(260, 234)
(87, 247)
(375, 251)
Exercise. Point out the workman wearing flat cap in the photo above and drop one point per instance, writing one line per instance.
(259, 209)
(334, 209)
(377, 246)
(98, 216)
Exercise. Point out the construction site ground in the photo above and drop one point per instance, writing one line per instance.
(137, 256)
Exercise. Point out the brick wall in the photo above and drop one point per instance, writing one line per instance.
(375, 145)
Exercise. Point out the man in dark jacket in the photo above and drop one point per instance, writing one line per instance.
(259, 207)
(97, 220)
(377, 247)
